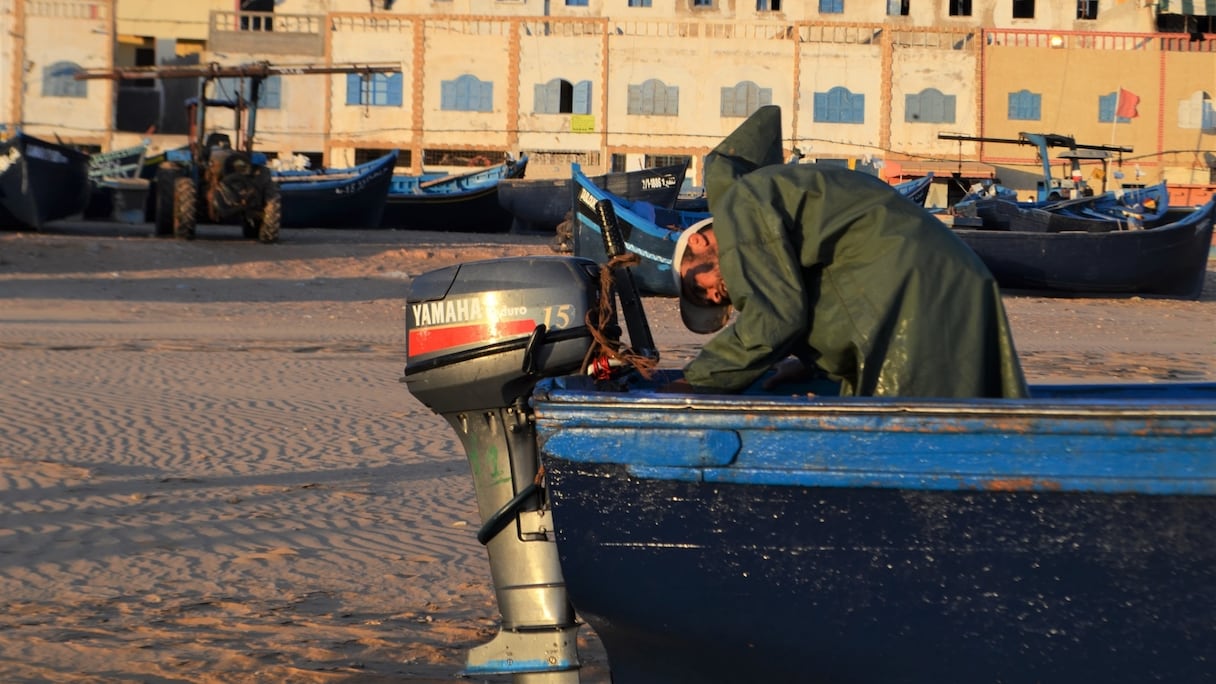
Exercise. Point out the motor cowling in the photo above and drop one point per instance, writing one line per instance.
(481, 334)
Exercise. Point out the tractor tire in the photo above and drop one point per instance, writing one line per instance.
(250, 227)
(185, 207)
(272, 217)
(162, 216)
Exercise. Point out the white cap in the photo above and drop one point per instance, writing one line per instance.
(697, 317)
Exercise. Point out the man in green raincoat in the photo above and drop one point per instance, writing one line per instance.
(838, 269)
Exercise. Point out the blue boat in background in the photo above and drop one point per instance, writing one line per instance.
(462, 202)
(352, 197)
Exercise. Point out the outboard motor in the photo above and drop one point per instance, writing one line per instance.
(479, 336)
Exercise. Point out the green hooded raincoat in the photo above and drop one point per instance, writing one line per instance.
(838, 268)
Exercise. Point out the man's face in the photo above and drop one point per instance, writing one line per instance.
(699, 271)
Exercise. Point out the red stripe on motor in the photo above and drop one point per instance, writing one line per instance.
(433, 339)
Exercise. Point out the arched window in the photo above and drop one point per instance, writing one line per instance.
(744, 98)
(839, 105)
(1195, 112)
(59, 80)
(1025, 106)
(654, 97)
(467, 93)
(559, 96)
(929, 106)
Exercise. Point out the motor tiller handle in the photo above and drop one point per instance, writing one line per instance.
(627, 291)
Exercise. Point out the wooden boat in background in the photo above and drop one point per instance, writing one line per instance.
(41, 181)
(352, 197)
(539, 205)
(465, 202)
(117, 189)
(1168, 259)
(916, 189)
(650, 232)
(1132, 208)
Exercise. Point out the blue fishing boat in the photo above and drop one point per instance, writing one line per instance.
(463, 202)
(802, 536)
(352, 197)
(1168, 258)
(1129, 209)
(540, 204)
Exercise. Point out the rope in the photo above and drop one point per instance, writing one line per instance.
(605, 348)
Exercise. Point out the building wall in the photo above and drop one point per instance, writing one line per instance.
(793, 55)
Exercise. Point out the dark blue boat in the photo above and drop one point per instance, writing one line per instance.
(1064, 538)
(1167, 259)
(649, 231)
(465, 202)
(351, 197)
(40, 181)
(541, 204)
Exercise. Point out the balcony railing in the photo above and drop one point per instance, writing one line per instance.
(267, 33)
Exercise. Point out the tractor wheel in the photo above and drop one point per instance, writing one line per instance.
(185, 207)
(166, 179)
(272, 218)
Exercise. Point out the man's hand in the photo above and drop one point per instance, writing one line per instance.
(789, 371)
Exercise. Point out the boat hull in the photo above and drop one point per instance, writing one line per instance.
(1169, 260)
(1057, 539)
(41, 182)
(538, 205)
(465, 203)
(651, 237)
(355, 199)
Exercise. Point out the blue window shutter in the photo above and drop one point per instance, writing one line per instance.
(727, 105)
(857, 111)
(633, 103)
(582, 98)
(540, 98)
(395, 82)
(485, 100)
(270, 94)
(673, 101)
(354, 89)
(447, 95)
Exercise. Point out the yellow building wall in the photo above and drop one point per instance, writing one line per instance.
(75, 119)
(844, 60)
(1187, 95)
(477, 47)
(372, 38)
(573, 51)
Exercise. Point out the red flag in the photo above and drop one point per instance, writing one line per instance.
(1126, 109)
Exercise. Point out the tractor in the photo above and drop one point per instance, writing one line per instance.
(212, 181)
(214, 178)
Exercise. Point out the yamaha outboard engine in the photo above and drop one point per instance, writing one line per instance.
(479, 336)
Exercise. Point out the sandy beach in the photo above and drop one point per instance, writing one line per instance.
(210, 472)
